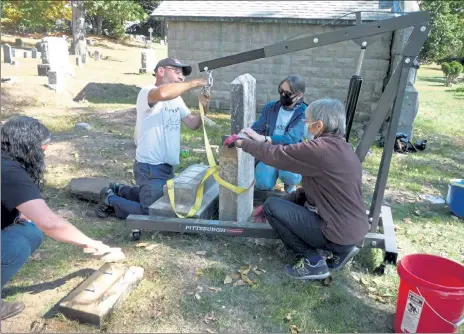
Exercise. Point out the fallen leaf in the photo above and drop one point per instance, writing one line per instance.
(209, 317)
(150, 247)
(264, 271)
(247, 280)
(253, 267)
(210, 331)
(239, 283)
(288, 317)
(257, 272)
(37, 256)
(198, 272)
(294, 329)
(76, 155)
(142, 244)
(244, 270)
(215, 289)
(228, 279)
(363, 281)
(197, 296)
(235, 276)
(417, 212)
(201, 253)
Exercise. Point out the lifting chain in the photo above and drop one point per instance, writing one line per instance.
(206, 89)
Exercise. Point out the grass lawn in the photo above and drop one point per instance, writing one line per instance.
(183, 288)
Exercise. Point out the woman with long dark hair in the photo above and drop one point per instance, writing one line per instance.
(25, 215)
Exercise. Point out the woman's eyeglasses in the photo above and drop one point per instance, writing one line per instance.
(284, 93)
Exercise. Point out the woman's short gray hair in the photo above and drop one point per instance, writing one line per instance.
(331, 112)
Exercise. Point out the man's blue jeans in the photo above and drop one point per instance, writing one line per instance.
(19, 241)
(150, 181)
(266, 178)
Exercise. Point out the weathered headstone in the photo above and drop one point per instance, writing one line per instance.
(34, 53)
(96, 55)
(84, 58)
(56, 80)
(25, 54)
(7, 54)
(55, 53)
(185, 189)
(237, 167)
(243, 102)
(147, 60)
(94, 300)
(42, 70)
(19, 42)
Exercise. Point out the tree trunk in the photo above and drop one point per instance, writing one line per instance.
(99, 20)
(79, 44)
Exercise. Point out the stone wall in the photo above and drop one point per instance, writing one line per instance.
(327, 70)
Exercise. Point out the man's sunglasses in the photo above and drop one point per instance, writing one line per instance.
(284, 93)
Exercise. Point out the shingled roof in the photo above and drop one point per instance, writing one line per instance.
(273, 11)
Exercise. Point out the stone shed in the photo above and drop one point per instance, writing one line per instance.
(204, 30)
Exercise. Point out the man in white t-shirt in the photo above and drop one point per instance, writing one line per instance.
(160, 110)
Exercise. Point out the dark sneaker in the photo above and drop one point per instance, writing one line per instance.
(340, 259)
(116, 187)
(104, 208)
(8, 310)
(307, 270)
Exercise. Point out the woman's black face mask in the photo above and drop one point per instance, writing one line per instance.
(285, 97)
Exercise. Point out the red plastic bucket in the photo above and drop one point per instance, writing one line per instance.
(430, 296)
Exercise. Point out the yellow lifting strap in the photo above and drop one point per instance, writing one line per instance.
(213, 170)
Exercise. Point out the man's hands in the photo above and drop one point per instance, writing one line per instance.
(199, 82)
(258, 215)
(254, 135)
(204, 101)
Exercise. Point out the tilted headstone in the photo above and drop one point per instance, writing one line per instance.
(236, 166)
(7, 54)
(185, 190)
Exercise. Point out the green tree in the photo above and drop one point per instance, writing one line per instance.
(33, 15)
(446, 38)
(114, 14)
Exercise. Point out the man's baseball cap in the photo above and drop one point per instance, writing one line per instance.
(186, 69)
